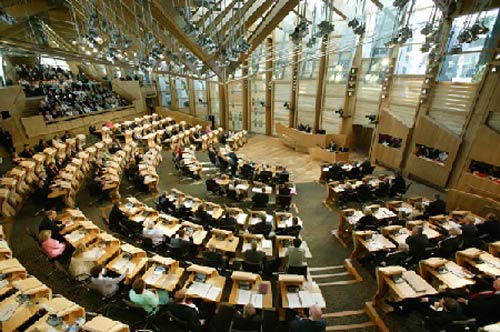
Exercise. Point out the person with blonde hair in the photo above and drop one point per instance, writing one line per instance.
(52, 248)
(80, 265)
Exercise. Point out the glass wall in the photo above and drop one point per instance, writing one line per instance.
(181, 88)
(165, 95)
(235, 107)
(214, 102)
(468, 64)
(200, 99)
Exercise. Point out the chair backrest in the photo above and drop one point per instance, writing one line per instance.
(251, 267)
(300, 270)
(232, 329)
(182, 324)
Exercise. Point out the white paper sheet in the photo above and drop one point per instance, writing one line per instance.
(256, 300)
(267, 244)
(293, 300)
(244, 296)
(213, 293)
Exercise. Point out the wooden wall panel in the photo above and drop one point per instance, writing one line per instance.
(459, 200)
(486, 146)
(178, 116)
(474, 184)
(450, 104)
(404, 97)
(431, 134)
(385, 155)
(334, 99)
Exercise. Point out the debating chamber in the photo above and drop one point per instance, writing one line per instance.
(249, 165)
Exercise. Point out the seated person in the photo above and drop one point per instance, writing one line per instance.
(149, 231)
(228, 222)
(364, 191)
(396, 257)
(182, 240)
(452, 243)
(484, 306)
(292, 230)
(116, 215)
(253, 255)
(367, 222)
(313, 323)
(490, 228)
(260, 199)
(202, 217)
(147, 299)
(213, 257)
(106, 286)
(80, 266)
(332, 146)
(248, 320)
(398, 185)
(52, 171)
(443, 312)
(384, 188)
(41, 193)
(284, 190)
(50, 222)
(262, 227)
(418, 242)
(186, 311)
(27, 152)
(366, 167)
(295, 255)
(436, 207)
(50, 246)
(470, 233)
(164, 203)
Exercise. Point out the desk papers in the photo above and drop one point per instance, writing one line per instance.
(204, 290)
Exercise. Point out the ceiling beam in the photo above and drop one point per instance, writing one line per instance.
(173, 22)
(32, 8)
(271, 21)
(228, 25)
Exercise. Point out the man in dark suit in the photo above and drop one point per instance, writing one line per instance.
(201, 217)
(253, 255)
(228, 221)
(186, 311)
(366, 167)
(51, 223)
(213, 258)
(470, 233)
(436, 207)
(367, 222)
(490, 227)
(484, 306)
(292, 230)
(418, 242)
(396, 257)
(313, 323)
(398, 185)
(27, 152)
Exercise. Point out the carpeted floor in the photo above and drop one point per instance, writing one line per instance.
(318, 223)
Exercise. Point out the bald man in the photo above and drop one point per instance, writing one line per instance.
(313, 323)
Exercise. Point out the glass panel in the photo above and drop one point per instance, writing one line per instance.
(166, 97)
(235, 105)
(200, 99)
(214, 99)
(411, 61)
(182, 94)
(379, 26)
(258, 104)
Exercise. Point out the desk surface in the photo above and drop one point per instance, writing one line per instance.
(405, 284)
(243, 297)
(447, 272)
(227, 245)
(309, 293)
(161, 279)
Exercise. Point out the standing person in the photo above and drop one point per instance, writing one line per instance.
(50, 222)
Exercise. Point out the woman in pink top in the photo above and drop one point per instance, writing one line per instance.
(52, 247)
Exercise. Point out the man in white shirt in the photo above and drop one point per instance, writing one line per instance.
(152, 233)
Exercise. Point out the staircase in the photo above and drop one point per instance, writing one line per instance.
(366, 319)
(335, 275)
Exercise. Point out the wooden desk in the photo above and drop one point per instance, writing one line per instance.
(13, 269)
(228, 244)
(163, 273)
(448, 274)
(66, 310)
(209, 290)
(348, 219)
(252, 295)
(167, 225)
(5, 251)
(131, 258)
(443, 222)
(285, 241)
(396, 284)
(197, 232)
(399, 234)
(494, 248)
(103, 324)
(35, 293)
(82, 236)
(371, 242)
(308, 294)
(264, 245)
(104, 249)
(284, 220)
(325, 155)
(479, 260)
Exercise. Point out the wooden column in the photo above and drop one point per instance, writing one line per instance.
(223, 105)
(173, 94)
(292, 118)
(269, 86)
(350, 95)
(245, 98)
(208, 96)
(192, 97)
(320, 89)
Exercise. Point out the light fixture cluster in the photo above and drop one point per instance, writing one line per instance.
(299, 32)
(357, 25)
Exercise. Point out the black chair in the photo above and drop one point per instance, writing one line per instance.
(232, 329)
(300, 270)
(212, 186)
(148, 322)
(252, 267)
(284, 202)
(183, 325)
(260, 200)
(265, 177)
